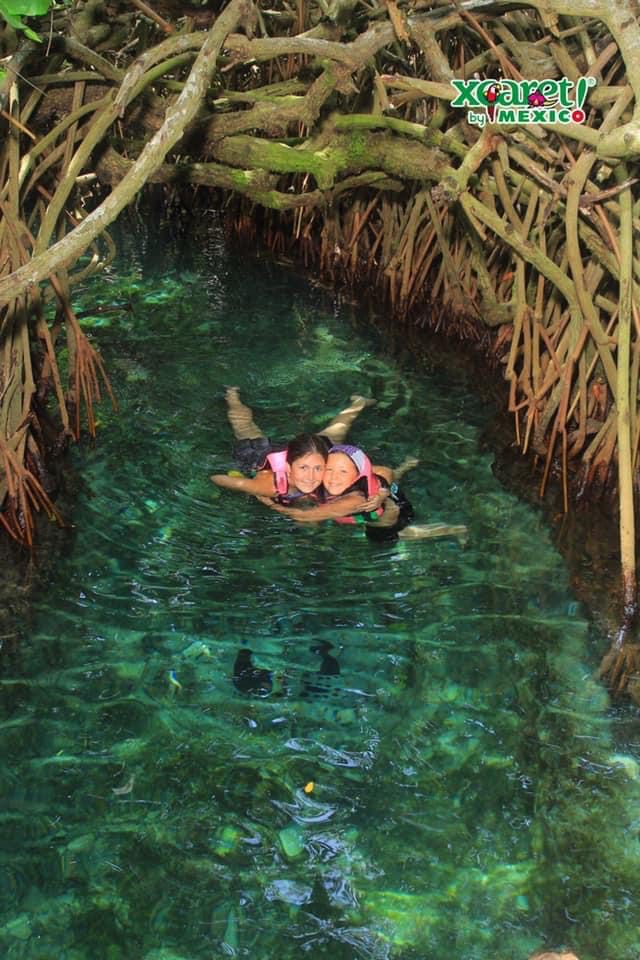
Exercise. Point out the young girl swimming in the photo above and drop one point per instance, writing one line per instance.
(350, 479)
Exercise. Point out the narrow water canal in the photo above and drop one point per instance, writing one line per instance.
(474, 796)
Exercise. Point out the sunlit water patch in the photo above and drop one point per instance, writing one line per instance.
(453, 793)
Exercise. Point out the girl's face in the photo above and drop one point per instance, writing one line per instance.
(339, 473)
(305, 473)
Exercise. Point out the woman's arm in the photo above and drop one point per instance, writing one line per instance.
(342, 507)
(261, 485)
(385, 472)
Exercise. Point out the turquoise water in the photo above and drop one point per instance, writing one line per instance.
(471, 798)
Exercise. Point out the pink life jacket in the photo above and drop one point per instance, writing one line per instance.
(277, 460)
(362, 462)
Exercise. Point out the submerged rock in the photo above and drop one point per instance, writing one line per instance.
(19, 927)
(227, 841)
(628, 764)
(290, 891)
(197, 649)
(291, 842)
(401, 919)
(134, 371)
(230, 938)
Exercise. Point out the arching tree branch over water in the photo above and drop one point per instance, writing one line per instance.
(332, 124)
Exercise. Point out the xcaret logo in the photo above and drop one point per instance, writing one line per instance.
(522, 101)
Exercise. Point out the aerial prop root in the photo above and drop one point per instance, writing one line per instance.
(24, 494)
(87, 364)
(620, 669)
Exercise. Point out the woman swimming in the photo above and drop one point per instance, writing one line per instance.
(286, 472)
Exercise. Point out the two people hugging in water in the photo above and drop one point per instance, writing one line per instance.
(317, 477)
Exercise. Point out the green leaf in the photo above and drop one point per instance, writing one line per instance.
(11, 18)
(25, 8)
(3, 74)
(13, 10)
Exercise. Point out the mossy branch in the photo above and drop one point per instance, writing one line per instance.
(178, 117)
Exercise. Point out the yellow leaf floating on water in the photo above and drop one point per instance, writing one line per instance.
(308, 787)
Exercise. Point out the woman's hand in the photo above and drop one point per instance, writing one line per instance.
(374, 503)
(268, 502)
(295, 513)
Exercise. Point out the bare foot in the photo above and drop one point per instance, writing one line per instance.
(360, 402)
(407, 464)
(427, 531)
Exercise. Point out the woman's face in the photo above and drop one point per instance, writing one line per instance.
(305, 473)
(339, 473)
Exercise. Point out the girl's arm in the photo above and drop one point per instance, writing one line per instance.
(342, 507)
(261, 485)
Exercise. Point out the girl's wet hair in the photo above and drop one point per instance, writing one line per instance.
(306, 443)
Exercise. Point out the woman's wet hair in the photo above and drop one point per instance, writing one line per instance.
(306, 443)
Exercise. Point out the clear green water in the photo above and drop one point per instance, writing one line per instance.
(468, 804)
